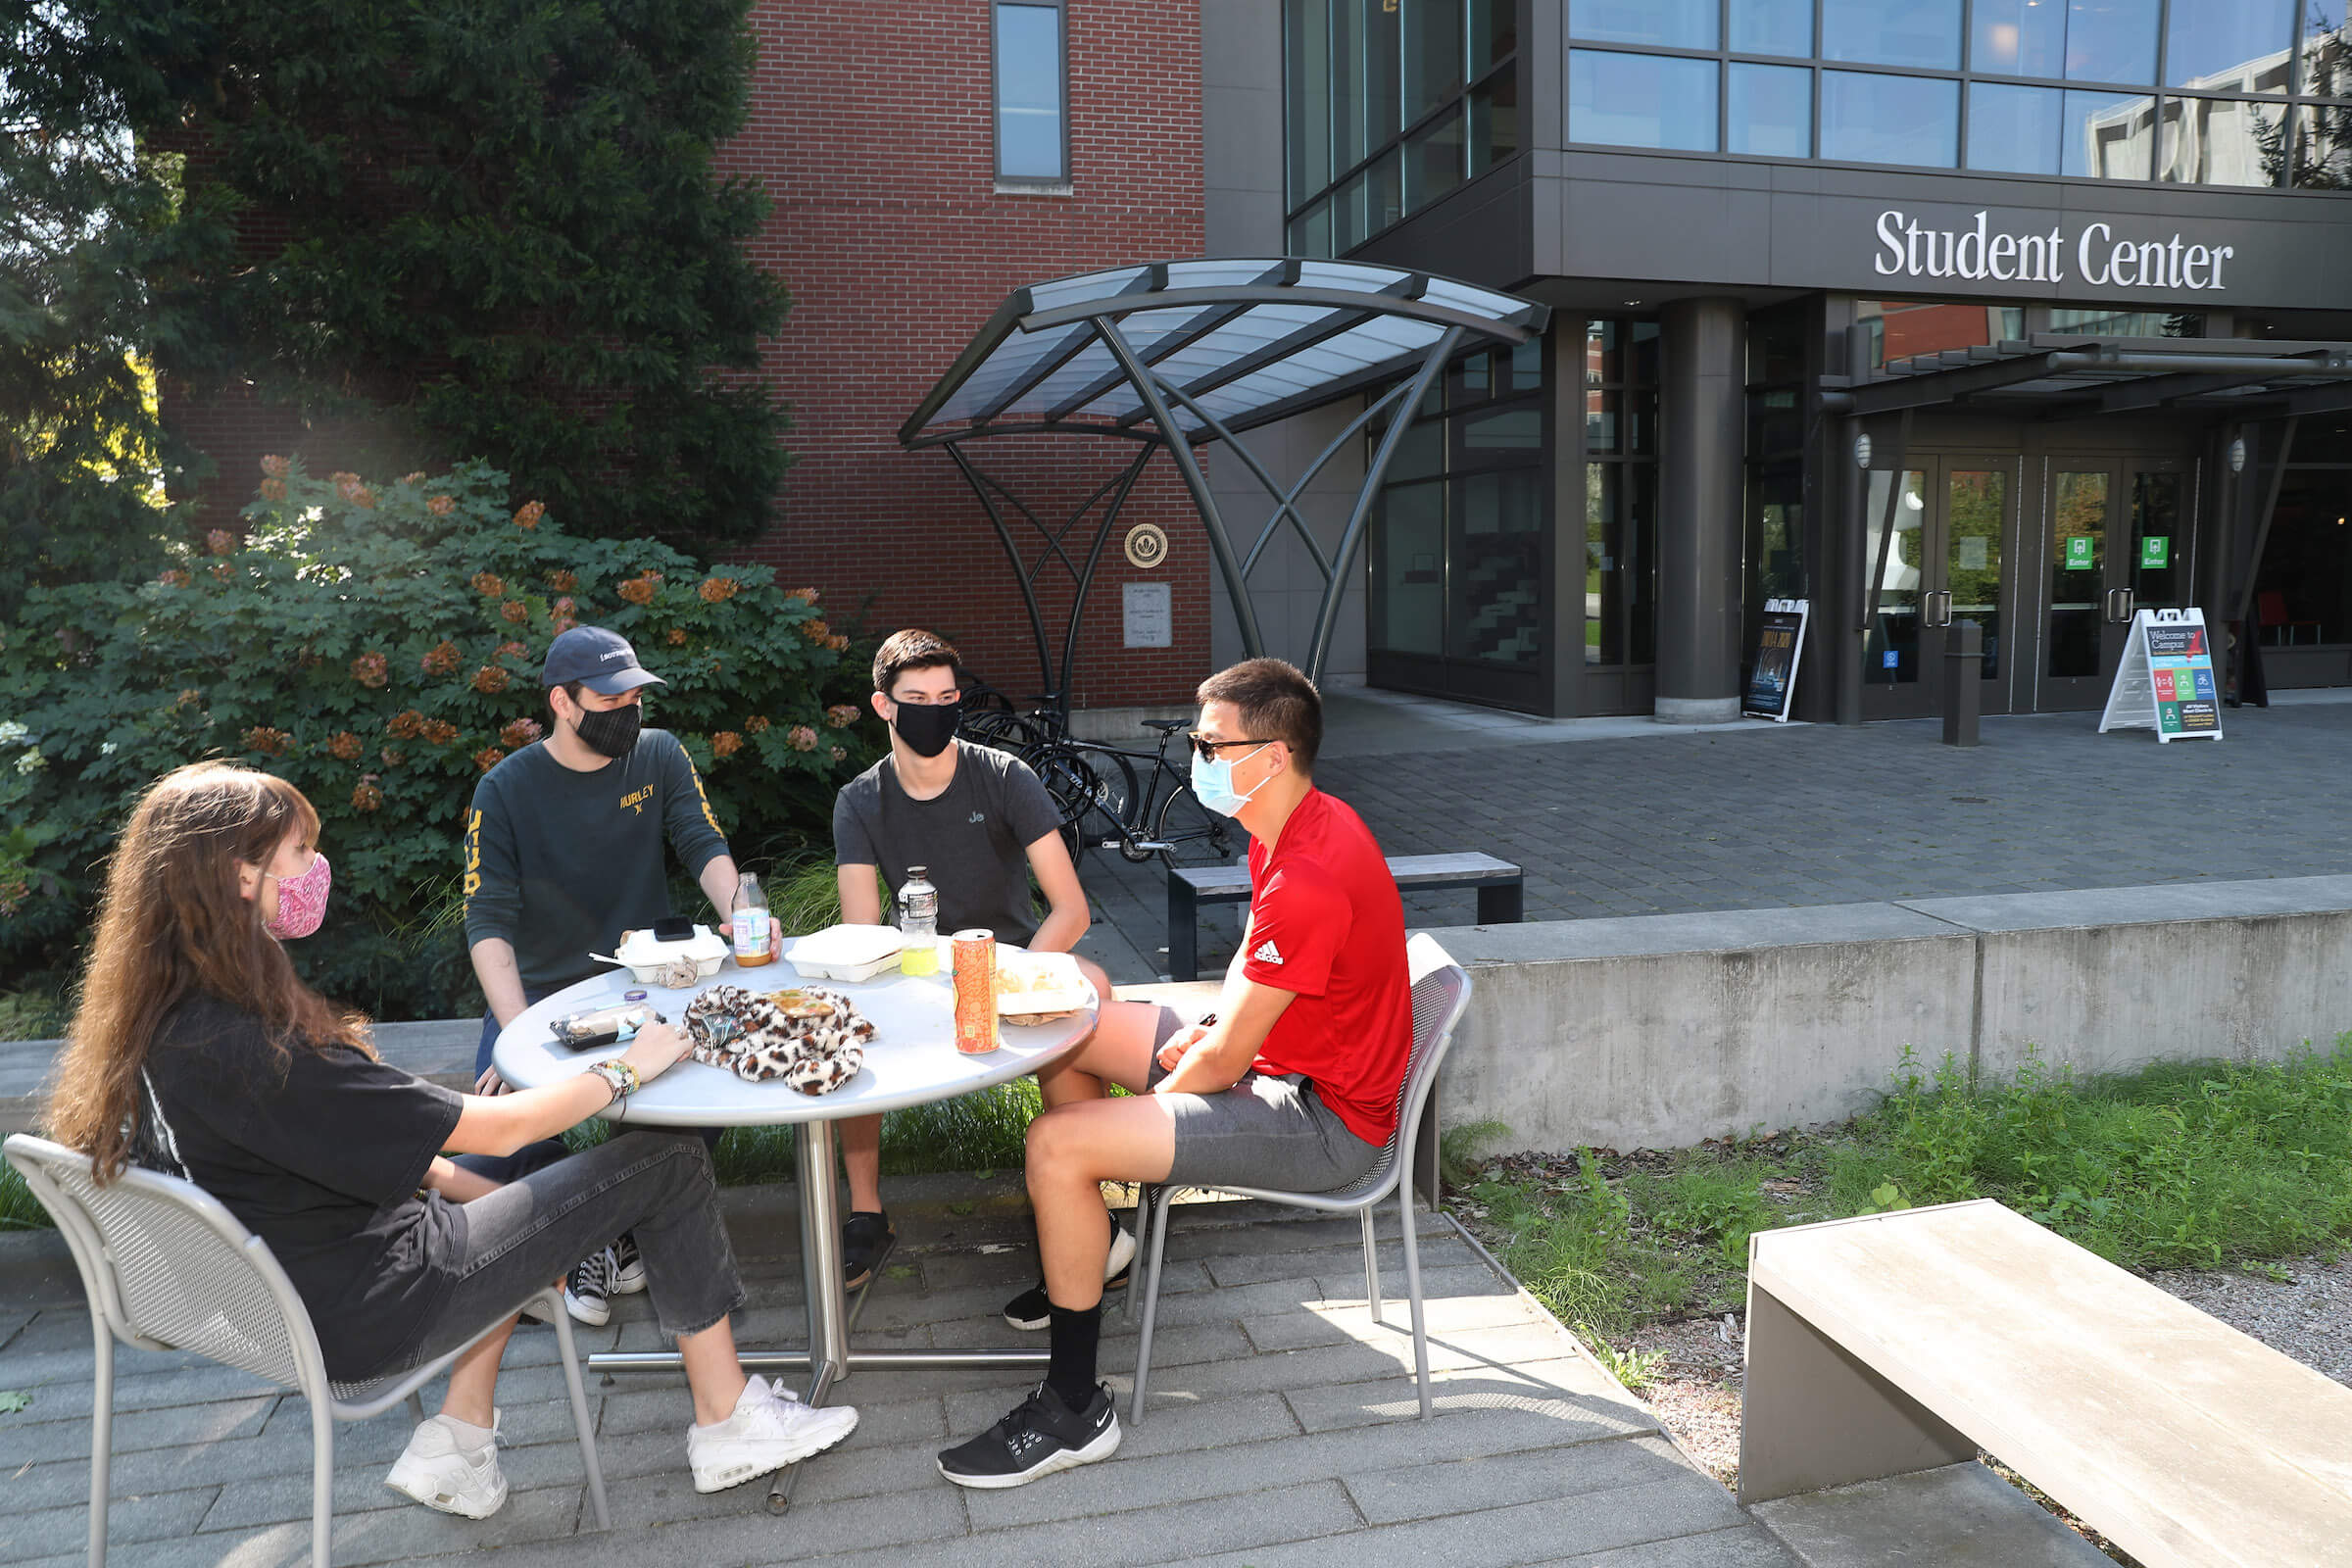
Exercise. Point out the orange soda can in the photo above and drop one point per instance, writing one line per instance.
(975, 992)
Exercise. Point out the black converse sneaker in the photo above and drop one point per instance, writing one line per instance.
(1028, 1310)
(1040, 1436)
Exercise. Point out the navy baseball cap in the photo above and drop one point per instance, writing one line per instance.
(602, 660)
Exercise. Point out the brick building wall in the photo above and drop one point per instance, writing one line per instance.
(870, 130)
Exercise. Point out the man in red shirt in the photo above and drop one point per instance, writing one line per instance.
(1293, 1085)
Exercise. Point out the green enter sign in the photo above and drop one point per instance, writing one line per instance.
(2080, 551)
(2156, 549)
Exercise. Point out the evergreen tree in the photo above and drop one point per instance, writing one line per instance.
(465, 227)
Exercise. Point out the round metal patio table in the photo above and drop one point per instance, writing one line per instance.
(913, 1060)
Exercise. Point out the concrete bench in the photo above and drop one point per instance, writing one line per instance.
(1499, 885)
(1898, 1344)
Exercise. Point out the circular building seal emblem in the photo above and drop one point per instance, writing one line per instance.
(1147, 545)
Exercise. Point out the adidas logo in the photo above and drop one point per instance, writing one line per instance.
(1266, 953)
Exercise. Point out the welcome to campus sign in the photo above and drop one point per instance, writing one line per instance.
(2095, 254)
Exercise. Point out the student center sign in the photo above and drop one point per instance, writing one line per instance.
(2031, 316)
(1978, 253)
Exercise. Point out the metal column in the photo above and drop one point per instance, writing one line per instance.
(1702, 398)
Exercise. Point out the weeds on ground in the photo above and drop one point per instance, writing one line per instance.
(31, 1015)
(2198, 1165)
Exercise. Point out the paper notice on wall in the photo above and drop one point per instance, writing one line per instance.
(1150, 614)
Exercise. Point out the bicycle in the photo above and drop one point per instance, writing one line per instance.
(1102, 804)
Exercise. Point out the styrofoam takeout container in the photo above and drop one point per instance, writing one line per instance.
(846, 952)
(1059, 987)
(646, 957)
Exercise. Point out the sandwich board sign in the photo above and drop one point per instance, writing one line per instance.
(1772, 683)
(2166, 682)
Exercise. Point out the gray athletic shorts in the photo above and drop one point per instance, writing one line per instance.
(1262, 1131)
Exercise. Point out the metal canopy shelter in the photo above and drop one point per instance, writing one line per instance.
(1175, 355)
(2055, 376)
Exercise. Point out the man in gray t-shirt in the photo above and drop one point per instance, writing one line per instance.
(972, 839)
(980, 825)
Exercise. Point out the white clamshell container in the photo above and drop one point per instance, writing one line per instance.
(646, 957)
(846, 952)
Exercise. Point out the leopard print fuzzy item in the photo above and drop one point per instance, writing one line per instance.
(811, 1038)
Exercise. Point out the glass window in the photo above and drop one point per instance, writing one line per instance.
(2322, 153)
(1640, 100)
(2327, 56)
(1773, 27)
(1493, 33)
(1310, 231)
(1433, 160)
(2018, 39)
(2014, 129)
(1676, 24)
(1770, 111)
(1869, 118)
(1433, 54)
(2222, 141)
(1496, 564)
(2126, 323)
(1892, 32)
(2228, 45)
(2111, 40)
(1306, 98)
(1493, 122)
(1363, 80)
(1408, 592)
(2108, 135)
(1028, 59)
(1901, 328)
(2303, 588)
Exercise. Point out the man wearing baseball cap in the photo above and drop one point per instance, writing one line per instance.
(564, 852)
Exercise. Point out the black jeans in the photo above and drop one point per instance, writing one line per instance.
(657, 1186)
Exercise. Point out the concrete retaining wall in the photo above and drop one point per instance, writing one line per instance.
(1663, 1031)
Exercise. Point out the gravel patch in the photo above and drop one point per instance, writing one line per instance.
(2307, 1313)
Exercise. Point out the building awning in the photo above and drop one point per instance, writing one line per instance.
(2063, 375)
(1171, 355)
(1232, 343)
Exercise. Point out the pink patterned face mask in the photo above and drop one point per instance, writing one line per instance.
(301, 901)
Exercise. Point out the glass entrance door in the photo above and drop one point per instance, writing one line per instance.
(2116, 541)
(1949, 561)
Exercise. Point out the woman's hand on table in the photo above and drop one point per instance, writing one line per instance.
(656, 1049)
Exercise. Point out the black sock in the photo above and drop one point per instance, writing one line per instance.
(1070, 1373)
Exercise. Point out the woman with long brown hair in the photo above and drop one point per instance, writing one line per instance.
(197, 1049)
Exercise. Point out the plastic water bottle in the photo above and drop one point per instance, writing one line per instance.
(918, 924)
(754, 928)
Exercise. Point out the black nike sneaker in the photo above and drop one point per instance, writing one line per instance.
(1040, 1436)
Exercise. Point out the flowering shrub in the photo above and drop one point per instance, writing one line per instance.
(382, 651)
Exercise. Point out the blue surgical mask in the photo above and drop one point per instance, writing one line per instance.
(1212, 784)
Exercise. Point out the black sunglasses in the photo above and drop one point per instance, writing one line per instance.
(1206, 749)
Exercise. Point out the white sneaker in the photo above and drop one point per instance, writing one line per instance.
(770, 1430)
(1122, 1252)
(439, 1473)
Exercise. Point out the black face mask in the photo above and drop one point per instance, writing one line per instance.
(612, 731)
(928, 730)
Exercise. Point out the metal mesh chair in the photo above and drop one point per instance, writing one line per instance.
(167, 1267)
(1441, 991)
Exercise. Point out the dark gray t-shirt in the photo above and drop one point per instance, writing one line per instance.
(973, 840)
(560, 862)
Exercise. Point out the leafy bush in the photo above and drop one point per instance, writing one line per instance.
(378, 644)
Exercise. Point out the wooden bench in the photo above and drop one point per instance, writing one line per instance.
(1499, 884)
(1898, 1344)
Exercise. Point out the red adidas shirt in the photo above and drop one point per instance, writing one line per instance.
(1326, 924)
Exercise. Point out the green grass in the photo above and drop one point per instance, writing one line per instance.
(2211, 1165)
(31, 1015)
(982, 1131)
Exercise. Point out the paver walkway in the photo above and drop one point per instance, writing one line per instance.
(1281, 1432)
(1648, 819)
